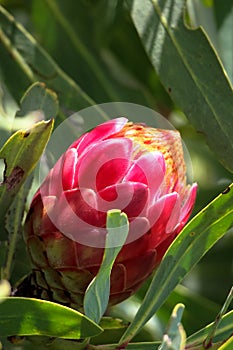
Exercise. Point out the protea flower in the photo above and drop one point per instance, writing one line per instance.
(117, 165)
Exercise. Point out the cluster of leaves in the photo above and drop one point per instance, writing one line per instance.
(87, 52)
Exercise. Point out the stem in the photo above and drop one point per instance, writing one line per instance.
(17, 56)
(208, 341)
(14, 227)
(81, 48)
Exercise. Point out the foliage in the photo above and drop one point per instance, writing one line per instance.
(57, 57)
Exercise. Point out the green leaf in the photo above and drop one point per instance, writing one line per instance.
(83, 36)
(5, 289)
(228, 345)
(113, 329)
(97, 294)
(174, 338)
(25, 316)
(36, 63)
(189, 69)
(198, 236)
(20, 154)
(224, 19)
(209, 339)
(38, 98)
(204, 309)
(223, 331)
(141, 346)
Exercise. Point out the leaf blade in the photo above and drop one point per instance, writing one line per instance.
(223, 331)
(21, 153)
(181, 58)
(28, 316)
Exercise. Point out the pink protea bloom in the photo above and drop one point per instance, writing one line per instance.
(118, 165)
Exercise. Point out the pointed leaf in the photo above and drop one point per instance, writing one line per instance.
(174, 338)
(199, 235)
(228, 345)
(97, 294)
(25, 316)
(189, 69)
(223, 331)
(20, 154)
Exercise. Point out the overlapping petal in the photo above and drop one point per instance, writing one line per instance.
(117, 165)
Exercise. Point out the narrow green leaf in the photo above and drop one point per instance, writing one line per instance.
(36, 63)
(199, 235)
(205, 310)
(223, 332)
(228, 345)
(20, 154)
(113, 329)
(174, 338)
(209, 339)
(97, 294)
(25, 316)
(189, 69)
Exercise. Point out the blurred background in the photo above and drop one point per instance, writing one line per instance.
(94, 43)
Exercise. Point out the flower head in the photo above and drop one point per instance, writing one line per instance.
(118, 165)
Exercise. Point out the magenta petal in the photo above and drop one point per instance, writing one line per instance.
(130, 197)
(159, 215)
(99, 133)
(75, 212)
(188, 205)
(69, 167)
(148, 169)
(174, 216)
(91, 166)
(111, 172)
(138, 226)
(52, 185)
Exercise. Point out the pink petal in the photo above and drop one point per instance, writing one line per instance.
(130, 197)
(99, 133)
(148, 169)
(188, 205)
(91, 164)
(111, 172)
(174, 216)
(52, 185)
(159, 216)
(69, 167)
(74, 212)
(138, 227)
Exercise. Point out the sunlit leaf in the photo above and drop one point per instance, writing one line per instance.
(174, 338)
(5, 289)
(228, 345)
(25, 316)
(223, 331)
(20, 154)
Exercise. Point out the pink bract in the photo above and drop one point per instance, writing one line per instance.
(118, 165)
